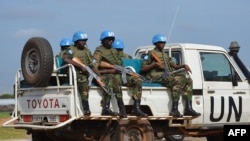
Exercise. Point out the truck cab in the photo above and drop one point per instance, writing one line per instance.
(220, 90)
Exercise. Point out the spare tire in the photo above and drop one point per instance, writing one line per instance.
(37, 61)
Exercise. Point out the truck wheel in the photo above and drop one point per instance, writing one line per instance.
(140, 130)
(174, 137)
(37, 61)
(40, 136)
(215, 138)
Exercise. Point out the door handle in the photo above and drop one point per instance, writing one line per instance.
(211, 91)
(239, 93)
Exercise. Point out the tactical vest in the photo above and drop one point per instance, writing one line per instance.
(109, 55)
(156, 74)
(84, 55)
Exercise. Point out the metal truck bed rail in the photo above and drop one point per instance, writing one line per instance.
(15, 121)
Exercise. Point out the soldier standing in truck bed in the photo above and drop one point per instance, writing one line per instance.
(155, 63)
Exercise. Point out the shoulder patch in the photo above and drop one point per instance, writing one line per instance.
(70, 52)
(145, 57)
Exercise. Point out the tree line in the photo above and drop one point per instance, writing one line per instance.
(6, 96)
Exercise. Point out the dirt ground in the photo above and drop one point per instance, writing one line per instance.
(2, 120)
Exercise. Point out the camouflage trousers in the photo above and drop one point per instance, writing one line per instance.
(82, 85)
(114, 85)
(179, 85)
(136, 84)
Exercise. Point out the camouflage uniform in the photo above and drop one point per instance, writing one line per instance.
(177, 83)
(136, 84)
(124, 55)
(82, 79)
(112, 81)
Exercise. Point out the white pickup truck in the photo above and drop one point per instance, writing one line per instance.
(48, 107)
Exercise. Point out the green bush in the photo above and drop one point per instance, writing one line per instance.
(7, 96)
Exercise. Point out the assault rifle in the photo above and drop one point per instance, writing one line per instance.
(166, 71)
(123, 70)
(92, 75)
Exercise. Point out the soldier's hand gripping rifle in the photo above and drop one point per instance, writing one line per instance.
(123, 71)
(167, 73)
(92, 75)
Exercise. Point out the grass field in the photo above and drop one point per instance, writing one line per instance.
(10, 133)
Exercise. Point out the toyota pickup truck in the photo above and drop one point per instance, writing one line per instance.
(47, 102)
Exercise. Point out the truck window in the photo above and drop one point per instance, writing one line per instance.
(176, 57)
(216, 67)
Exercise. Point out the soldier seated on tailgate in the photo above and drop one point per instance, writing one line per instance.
(156, 63)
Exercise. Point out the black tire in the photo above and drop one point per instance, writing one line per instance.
(40, 136)
(140, 130)
(37, 61)
(218, 137)
(175, 137)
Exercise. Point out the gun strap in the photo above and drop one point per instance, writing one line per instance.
(124, 79)
(91, 75)
(164, 59)
(167, 66)
(90, 79)
(88, 56)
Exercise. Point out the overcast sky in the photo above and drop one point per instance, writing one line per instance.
(215, 22)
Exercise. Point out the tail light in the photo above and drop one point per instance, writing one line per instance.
(63, 118)
(27, 118)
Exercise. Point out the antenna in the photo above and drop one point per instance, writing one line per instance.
(173, 22)
(171, 27)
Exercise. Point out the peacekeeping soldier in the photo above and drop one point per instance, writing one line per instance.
(81, 51)
(177, 83)
(119, 46)
(105, 52)
(65, 43)
(134, 82)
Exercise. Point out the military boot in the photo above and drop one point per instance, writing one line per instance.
(189, 111)
(123, 113)
(174, 111)
(106, 111)
(137, 110)
(85, 105)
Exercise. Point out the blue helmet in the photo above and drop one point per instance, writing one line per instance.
(80, 36)
(66, 42)
(106, 34)
(118, 44)
(159, 38)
